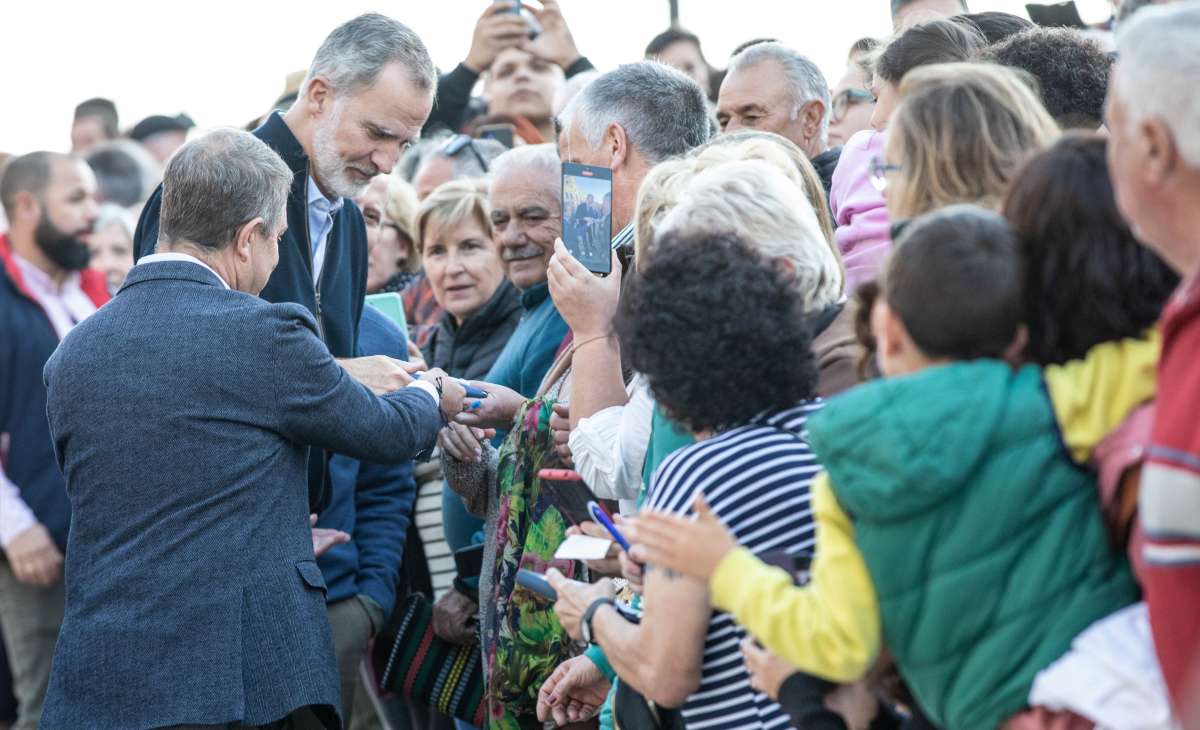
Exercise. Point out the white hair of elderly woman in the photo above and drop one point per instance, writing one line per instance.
(754, 200)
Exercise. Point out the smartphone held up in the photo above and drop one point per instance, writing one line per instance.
(587, 215)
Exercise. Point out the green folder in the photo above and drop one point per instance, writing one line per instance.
(392, 307)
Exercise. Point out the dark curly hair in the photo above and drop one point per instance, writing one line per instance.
(1071, 69)
(718, 330)
(1086, 279)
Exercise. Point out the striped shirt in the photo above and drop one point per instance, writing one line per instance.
(756, 479)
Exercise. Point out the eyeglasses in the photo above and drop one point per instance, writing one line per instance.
(847, 98)
(456, 144)
(880, 169)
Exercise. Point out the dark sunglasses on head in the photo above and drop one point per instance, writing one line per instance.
(457, 143)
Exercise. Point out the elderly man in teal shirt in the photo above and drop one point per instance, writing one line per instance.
(524, 195)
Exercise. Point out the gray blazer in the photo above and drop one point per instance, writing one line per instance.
(181, 414)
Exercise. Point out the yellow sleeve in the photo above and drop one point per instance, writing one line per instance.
(829, 628)
(1092, 396)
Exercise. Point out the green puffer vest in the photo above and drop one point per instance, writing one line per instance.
(983, 539)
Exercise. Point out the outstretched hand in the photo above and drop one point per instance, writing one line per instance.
(693, 547)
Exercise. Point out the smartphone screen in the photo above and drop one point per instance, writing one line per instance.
(587, 215)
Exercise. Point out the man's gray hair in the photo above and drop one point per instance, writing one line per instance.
(541, 158)
(804, 77)
(663, 112)
(217, 183)
(1158, 63)
(356, 52)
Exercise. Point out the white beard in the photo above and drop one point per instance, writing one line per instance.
(330, 168)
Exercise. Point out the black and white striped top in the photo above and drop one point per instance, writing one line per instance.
(756, 480)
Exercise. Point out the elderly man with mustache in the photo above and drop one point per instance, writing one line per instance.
(526, 218)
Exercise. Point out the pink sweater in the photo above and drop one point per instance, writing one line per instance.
(863, 232)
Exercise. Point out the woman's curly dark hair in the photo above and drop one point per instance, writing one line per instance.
(1086, 279)
(718, 330)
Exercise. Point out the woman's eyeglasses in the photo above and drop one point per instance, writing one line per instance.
(846, 99)
(880, 169)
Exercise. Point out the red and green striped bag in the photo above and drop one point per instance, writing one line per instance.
(430, 671)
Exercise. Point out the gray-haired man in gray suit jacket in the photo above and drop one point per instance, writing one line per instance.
(181, 414)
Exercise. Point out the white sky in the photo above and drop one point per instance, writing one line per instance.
(224, 61)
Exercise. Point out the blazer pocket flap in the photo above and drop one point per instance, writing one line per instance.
(311, 574)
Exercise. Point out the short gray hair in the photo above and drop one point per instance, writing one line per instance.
(1158, 58)
(215, 184)
(356, 52)
(541, 157)
(664, 112)
(805, 78)
(111, 213)
(755, 200)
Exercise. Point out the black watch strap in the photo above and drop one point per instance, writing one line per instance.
(585, 625)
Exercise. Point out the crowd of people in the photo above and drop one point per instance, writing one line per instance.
(861, 431)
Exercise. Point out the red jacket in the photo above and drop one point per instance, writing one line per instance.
(1169, 503)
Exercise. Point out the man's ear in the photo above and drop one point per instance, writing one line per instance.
(811, 116)
(27, 206)
(318, 94)
(616, 146)
(244, 238)
(1161, 154)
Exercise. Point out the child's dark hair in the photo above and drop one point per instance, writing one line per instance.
(718, 329)
(1087, 280)
(955, 283)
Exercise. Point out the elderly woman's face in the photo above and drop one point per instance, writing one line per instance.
(112, 253)
(463, 266)
(526, 218)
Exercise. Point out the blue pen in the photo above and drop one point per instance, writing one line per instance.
(602, 517)
(472, 391)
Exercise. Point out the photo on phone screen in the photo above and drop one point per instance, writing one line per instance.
(587, 215)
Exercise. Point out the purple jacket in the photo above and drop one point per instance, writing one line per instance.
(863, 232)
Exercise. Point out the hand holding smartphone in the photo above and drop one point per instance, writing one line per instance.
(587, 215)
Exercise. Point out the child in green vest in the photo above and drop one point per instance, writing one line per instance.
(956, 522)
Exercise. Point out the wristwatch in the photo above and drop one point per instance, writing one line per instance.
(585, 625)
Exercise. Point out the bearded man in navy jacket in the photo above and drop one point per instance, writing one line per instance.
(367, 93)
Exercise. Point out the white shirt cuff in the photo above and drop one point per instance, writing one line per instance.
(428, 388)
